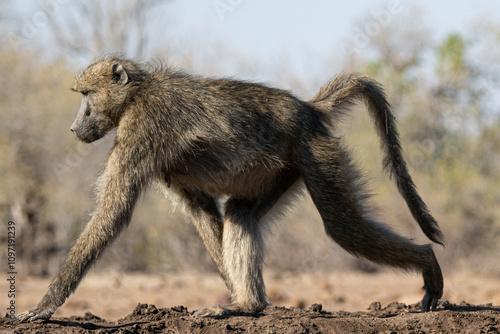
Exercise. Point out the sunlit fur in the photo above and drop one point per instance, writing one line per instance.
(234, 153)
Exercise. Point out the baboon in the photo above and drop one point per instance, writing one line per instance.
(233, 152)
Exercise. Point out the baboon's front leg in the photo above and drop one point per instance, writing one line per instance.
(116, 201)
(205, 215)
(243, 253)
(243, 248)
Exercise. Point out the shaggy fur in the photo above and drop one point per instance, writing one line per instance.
(206, 138)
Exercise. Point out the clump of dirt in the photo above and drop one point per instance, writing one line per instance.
(394, 318)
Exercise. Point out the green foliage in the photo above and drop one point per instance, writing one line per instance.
(453, 152)
(451, 61)
(373, 68)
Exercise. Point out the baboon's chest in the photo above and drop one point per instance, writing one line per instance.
(235, 178)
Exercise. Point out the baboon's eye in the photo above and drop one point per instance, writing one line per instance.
(86, 92)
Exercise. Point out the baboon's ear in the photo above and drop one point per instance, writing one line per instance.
(119, 74)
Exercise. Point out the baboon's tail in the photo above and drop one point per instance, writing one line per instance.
(337, 97)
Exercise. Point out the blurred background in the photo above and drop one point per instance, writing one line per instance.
(439, 63)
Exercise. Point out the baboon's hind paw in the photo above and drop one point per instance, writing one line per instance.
(429, 302)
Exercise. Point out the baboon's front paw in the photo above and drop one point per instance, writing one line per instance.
(210, 311)
(34, 314)
(225, 311)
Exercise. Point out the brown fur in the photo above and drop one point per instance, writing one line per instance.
(203, 138)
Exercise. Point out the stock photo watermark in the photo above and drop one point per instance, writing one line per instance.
(32, 26)
(455, 119)
(221, 7)
(11, 269)
(73, 159)
(381, 18)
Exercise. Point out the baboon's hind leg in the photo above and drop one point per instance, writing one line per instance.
(337, 192)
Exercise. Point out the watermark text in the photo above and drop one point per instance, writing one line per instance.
(11, 269)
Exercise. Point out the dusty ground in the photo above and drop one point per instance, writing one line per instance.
(347, 305)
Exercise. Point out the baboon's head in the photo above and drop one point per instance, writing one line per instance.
(107, 87)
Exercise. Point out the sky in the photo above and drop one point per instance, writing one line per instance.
(304, 34)
(266, 28)
(297, 33)
(273, 24)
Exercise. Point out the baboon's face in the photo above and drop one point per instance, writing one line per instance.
(104, 91)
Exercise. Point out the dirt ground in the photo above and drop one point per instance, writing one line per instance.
(307, 303)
